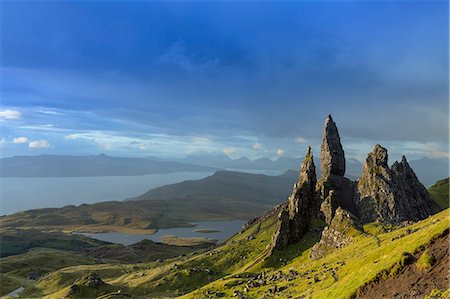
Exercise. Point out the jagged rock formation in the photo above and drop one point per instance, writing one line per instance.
(390, 195)
(333, 189)
(295, 219)
(332, 159)
(333, 192)
(375, 188)
(382, 194)
(339, 233)
(415, 203)
(329, 206)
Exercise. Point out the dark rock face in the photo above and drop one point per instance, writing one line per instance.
(333, 189)
(329, 206)
(343, 195)
(376, 188)
(332, 159)
(303, 205)
(414, 201)
(295, 219)
(336, 194)
(390, 195)
(339, 233)
(282, 235)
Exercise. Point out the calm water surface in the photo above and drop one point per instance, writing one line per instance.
(225, 230)
(19, 194)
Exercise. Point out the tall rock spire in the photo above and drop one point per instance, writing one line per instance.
(332, 159)
(302, 207)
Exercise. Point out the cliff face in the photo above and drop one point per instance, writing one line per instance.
(295, 219)
(334, 190)
(332, 159)
(381, 194)
(390, 194)
(414, 201)
(375, 198)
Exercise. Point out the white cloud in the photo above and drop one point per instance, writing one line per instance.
(280, 152)
(10, 114)
(229, 151)
(21, 139)
(113, 141)
(139, 145)
(300, 140)
(49, 112)
(71, 137)
(201, 139)
(257, 146)
(39, 144)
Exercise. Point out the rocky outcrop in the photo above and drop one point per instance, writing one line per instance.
(329, 206)
(414, 201)
(341, 231)
(295, 219)
(282, 235)
(334, 190)
(390, 195)
(91, 280)
(375, 199)
(332, 159)
(381, 194)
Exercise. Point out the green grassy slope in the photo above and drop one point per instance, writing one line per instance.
(17, 241)
(14, 270)
(439, 194)
(23, 250)
(42, 261)
(353, 266)
(240, 264)
(170, 277)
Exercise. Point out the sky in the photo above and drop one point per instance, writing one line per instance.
(256, 79)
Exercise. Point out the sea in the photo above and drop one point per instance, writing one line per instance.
(25, 193)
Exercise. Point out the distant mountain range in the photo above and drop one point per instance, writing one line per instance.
(427, 170)
(78, 166)
(222, 196)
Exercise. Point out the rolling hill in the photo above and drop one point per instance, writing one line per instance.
(439, 194)
(222, 196)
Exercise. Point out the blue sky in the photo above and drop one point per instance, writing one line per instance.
(172, 79)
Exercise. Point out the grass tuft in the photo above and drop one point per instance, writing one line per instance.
(426, 261)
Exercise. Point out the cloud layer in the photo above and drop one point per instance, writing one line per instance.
(254, 78)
